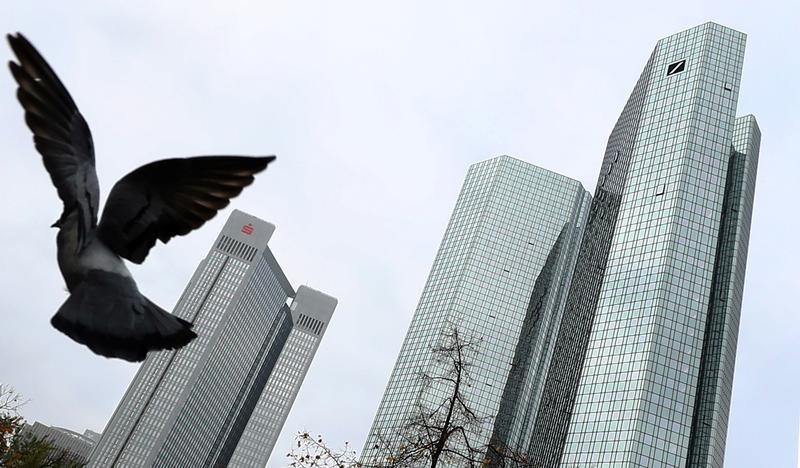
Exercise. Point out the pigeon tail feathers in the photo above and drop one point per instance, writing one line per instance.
(107, 313)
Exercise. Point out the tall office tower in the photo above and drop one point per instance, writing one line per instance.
(190, 407)
(310, 312)
(67, 447)
(502, 267)
(643, 364)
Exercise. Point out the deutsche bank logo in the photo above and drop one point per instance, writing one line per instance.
(676, 67)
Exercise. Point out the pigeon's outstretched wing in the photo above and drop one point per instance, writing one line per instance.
(60, 133)
(170, 198)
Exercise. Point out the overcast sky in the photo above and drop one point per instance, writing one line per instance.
(375, 110)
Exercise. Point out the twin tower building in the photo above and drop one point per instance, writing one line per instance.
(222, 400)
(605, 327)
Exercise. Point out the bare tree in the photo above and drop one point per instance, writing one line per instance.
(10, 400)
(443, 429)
(312, 452)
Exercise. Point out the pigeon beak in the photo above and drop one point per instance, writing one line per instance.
(57, 224)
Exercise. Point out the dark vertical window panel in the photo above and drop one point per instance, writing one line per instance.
(561, 385)
(715, 377)
(236, 421)
(521, 366)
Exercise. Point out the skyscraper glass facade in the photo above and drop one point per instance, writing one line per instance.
(631, 361)
(190, 407)
(641, 375)
(712, 403)
(510, 220)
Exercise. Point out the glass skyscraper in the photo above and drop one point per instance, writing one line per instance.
(514, 230)
(191, 407)
(637, 369)
(644, 372)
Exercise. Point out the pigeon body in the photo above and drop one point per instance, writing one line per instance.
(166, 198)
(75, 262)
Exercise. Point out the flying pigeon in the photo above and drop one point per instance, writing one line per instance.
(166, 198)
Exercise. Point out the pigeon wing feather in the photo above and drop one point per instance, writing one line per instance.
(171, 197)
(60, 134)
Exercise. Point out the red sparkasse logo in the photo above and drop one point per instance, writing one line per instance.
(248, 229)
